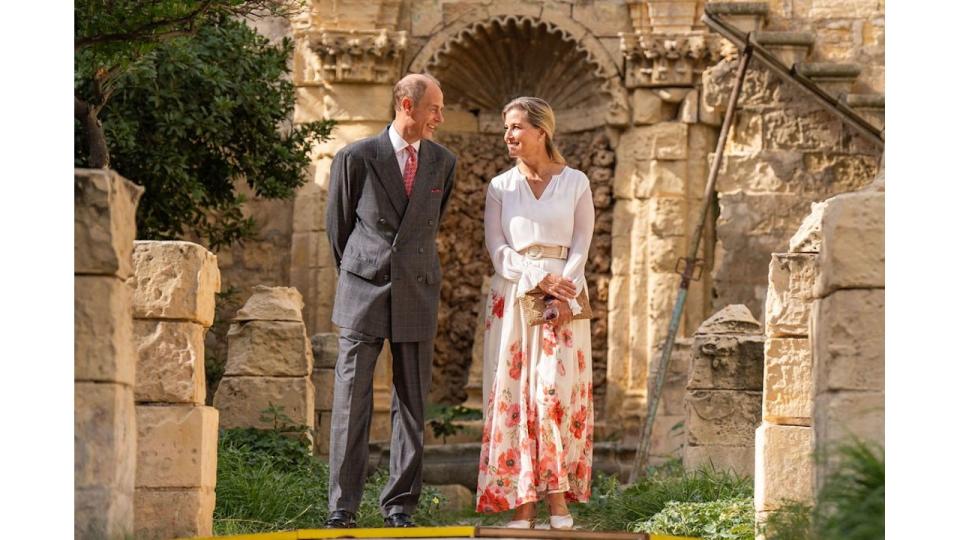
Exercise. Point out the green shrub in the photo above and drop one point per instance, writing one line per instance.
(726, 519)
(616, 507)
(849, 506)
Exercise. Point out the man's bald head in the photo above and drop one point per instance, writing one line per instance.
(412, 86)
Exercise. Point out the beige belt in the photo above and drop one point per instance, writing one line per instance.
(537, 251)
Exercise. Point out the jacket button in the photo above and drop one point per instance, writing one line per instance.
(386, 277)
(429, 222)
(381, 221)
(419, 250)
(419, 278)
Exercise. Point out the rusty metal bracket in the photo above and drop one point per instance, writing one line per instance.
(692, 269)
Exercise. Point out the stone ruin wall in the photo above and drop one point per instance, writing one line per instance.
(784, 152)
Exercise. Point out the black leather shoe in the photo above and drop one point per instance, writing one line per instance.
(399, 520)
(341, 519)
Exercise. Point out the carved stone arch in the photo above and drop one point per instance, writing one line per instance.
(485, 59)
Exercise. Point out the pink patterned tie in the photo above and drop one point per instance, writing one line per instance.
(410, 169)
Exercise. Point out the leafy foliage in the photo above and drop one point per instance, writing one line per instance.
(727, 519)
(614, 507)
(187, 117)
(849, 506)
(442, 419)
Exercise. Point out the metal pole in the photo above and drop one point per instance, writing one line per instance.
(643, 446)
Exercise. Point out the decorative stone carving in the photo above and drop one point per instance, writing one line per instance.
(353, 56)
(667, 59)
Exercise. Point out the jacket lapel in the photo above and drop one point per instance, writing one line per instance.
(388, 173)
(422, 182)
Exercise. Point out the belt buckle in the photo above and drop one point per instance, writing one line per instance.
(535, 252)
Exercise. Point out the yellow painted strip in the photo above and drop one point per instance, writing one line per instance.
(382, 532)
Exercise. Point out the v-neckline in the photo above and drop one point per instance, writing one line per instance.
(546, 189)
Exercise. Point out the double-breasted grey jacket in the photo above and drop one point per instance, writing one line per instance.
(383, 243)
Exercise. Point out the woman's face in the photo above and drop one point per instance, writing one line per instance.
(523, 140)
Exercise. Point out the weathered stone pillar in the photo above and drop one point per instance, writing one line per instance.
(724, 391)
(175, 284)
(847, 325)
(105, 361)
(269, 361)
(784, 441)
(667, 435)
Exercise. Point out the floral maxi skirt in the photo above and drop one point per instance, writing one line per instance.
(538, 422)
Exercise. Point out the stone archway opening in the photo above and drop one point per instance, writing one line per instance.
(481, 68)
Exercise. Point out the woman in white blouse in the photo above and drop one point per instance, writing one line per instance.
(538, 422)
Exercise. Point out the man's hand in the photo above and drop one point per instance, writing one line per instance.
(558, 287)
(566, 315)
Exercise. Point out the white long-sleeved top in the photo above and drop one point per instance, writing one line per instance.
(514, 219)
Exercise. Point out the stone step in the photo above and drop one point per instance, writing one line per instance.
(869, 106)
(745, 16)
(835, 79)
(789, 47)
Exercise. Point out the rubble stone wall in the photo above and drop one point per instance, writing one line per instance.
(175, 284)
(105, 360)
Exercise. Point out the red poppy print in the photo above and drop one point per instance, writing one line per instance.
(579, 422)
(567, 336)
(549, 342)
(509, 462)
(492, 500)
(498, 302)
(581, 361)
(557, 411)
(513, 415)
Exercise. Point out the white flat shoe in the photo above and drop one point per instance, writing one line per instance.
(561, 522)
(520, 524)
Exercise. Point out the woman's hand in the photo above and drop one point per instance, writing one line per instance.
(565, 316)
(558, 287)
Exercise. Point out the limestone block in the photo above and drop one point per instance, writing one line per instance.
(326, 347)
(664, 252)
(852, 254)
(310, 250)
(174, 513)
(746, 134)
(648, 108)
(722, 417)
(323, 380)
(785, 129)
(426, 22)
(739, 459)
(174, 280)
(667, 216)
(456, 497)
(840, 416)
(848, 340)
(104, 431)
(847, 9)
(242, 400)
(268, 348)
(689, 108)
(104, 222)
(170, 366)
(272, 304)
(660, 178)
(309, 204)
(790, 293)
(103, 330)
(785, 462)
(667, 436)
(345, 102)
(762, 171)
(727, 362)
(733, 319)
(103, 512)
(665, 140)
(788, 381)
(840, 173)
(176, 446)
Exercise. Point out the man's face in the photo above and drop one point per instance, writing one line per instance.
(427, 115)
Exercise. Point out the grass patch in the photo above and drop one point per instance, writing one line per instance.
(726, 519)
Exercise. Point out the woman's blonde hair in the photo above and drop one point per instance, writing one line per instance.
(540, 115)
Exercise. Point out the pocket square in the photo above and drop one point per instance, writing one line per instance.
(435, 190)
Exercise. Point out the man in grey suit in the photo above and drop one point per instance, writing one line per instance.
(387, 195)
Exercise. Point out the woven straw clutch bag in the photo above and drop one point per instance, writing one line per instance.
(534, 303)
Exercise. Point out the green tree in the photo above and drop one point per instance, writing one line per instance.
(185, 99)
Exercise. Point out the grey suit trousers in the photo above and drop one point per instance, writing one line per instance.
(352, 413)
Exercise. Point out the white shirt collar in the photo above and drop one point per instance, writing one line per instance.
(398, 142)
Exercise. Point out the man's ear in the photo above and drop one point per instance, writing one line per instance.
(406, 104)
